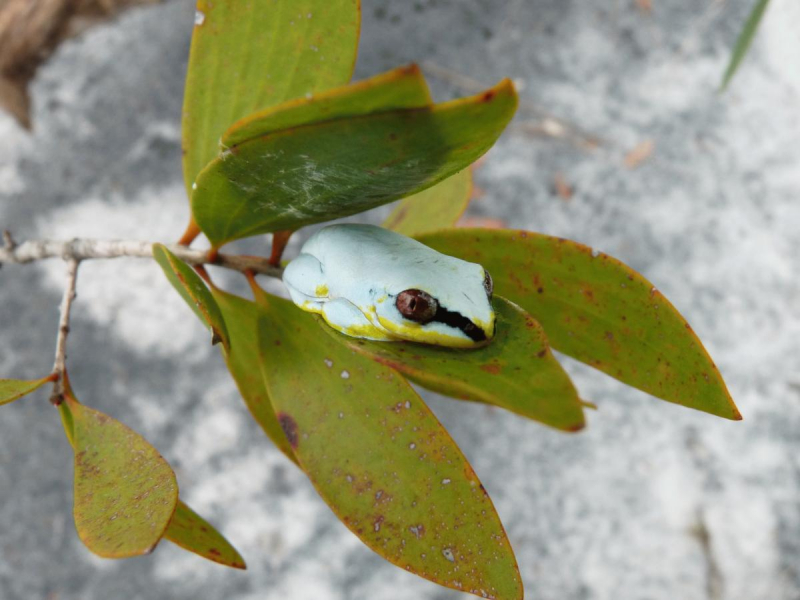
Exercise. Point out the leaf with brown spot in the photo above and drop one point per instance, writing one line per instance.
(125, 492)
(381, 460)
(194, 292)
(597, 310)
(516, 371)
(244, 364)
(192, 532)
(13, 389)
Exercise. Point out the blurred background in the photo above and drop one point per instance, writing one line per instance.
(621, 142)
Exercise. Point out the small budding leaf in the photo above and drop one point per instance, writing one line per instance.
(14, 389)
(194, 291)
(381, 460)
(597, 310)
(322, 171)
(436, 208)
(193, 533)
(125, 492)
(516, 371)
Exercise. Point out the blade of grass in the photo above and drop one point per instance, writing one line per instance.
(744, 41)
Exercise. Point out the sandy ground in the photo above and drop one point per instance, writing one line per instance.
(651, 502)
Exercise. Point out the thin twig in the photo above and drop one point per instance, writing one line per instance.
(60, 364)
(88, 249)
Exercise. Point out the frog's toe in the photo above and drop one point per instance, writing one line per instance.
(344, 316)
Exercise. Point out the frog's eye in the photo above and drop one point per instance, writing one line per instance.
(417, 306)
(488, 284)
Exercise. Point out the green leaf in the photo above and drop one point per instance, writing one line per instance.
(401, 88)
(597, 310)
(244, 364)
(14, 389)
(247, 55)
(323, 171)
(192, 532)
(381, 460)
(194, 291)
(744, 41)
(437, 207)
(125, 492)
(516, 371)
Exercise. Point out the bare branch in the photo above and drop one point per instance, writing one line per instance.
(60, 364)
(89, 249)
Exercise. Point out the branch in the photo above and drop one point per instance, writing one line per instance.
(60, 364)
(88, 249)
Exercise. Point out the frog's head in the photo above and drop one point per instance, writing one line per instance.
(449, 305)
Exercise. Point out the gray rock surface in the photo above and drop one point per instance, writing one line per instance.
(651, 502)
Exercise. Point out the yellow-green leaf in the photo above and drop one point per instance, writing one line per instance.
(13, 389)
(125, 492)
(192, 532)
(381, 460)
(516, 371)
(244, 364)
(322, 171)
(194, 292)
(404, 87)
(437, 207)
(597, 310)
(247, 55)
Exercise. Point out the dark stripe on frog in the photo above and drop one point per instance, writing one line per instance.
(459, 321)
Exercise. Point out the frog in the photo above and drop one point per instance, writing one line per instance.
(376, 284)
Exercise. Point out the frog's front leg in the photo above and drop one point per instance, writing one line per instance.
(304, 277)
(307, 284)
(344, 316)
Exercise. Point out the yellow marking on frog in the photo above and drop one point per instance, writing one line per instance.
(311, 307)
(321, 291)
(363, 331)
(414, 332)
(382, 299)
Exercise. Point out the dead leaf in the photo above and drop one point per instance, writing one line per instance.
(30, 30)
(562, 188)
(639, 154)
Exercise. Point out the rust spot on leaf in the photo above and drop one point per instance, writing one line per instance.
(214, 552)
(541, 353)
(289, 426)
(492, 369)
(488, 96)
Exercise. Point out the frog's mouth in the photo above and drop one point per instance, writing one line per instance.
(459, 321)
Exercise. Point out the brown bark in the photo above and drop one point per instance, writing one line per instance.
(30, 30)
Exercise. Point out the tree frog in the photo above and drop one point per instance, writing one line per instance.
(372, 283)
